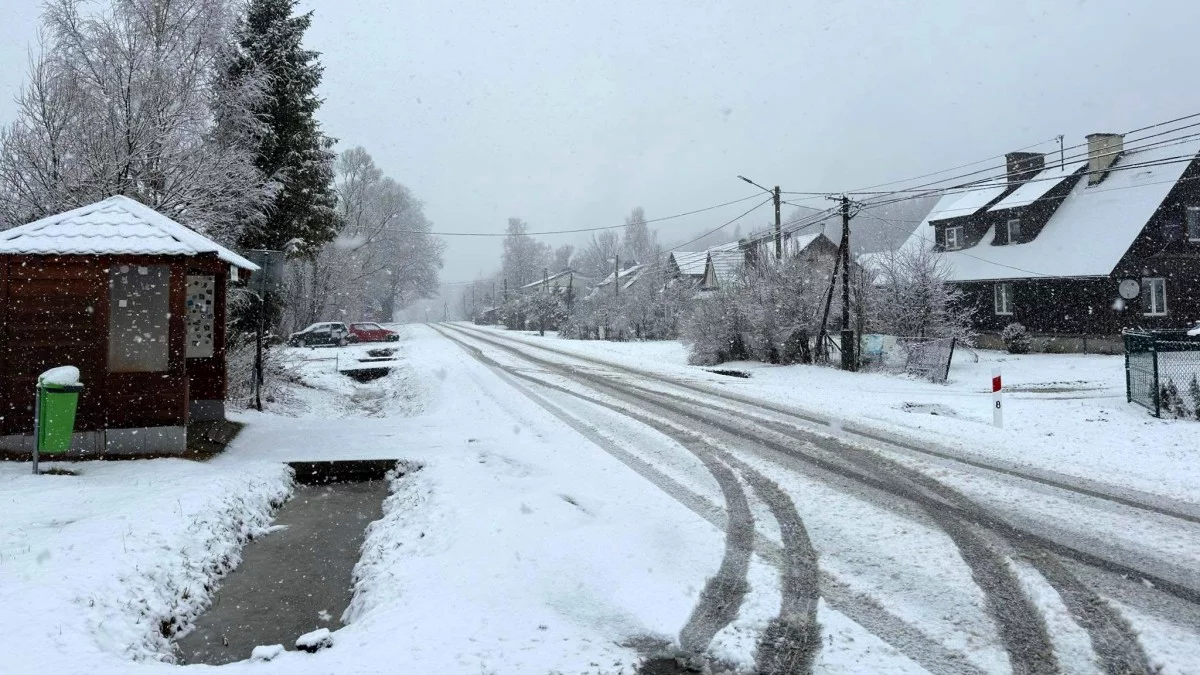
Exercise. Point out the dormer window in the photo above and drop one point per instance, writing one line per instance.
(1193, 223)
(954, 238)
(1012, 230)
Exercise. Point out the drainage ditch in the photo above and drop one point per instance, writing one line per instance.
(298, 578)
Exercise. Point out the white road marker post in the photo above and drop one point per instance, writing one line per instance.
(997, 400)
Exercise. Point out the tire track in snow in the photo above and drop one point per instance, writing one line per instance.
(1116, 646)
(1019, 623)
(864, 610)
(790, 641)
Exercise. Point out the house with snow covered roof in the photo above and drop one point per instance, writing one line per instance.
(687, 265)
(626, 279)
(136, 302)
(558, 282)
(1078, 250)
(725, 263)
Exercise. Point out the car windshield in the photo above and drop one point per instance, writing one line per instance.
(855, 336)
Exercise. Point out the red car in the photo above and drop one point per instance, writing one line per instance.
(373, 332)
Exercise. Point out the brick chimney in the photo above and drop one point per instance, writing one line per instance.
(1103, 150)
(1023, 165)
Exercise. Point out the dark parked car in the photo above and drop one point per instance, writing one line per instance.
(331, 333)
(373, 332)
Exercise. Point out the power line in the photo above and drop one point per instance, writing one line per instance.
(574, 231)
(673, 248)
(1075, 157)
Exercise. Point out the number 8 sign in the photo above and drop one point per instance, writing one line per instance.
(997, 398)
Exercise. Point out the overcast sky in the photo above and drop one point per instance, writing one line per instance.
(569, 114)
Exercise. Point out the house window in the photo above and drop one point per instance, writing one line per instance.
(954, 237)
(1193, 223)
(1003, 299)
(138, 318)
(1013, 230)
(1154, 296)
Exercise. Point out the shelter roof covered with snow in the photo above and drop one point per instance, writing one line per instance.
(114, 226)
(1089, 232)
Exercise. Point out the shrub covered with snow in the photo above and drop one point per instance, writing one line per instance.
(653, 306)
(1016, 338)
(909, 297)
(763, 314)
(714, 331)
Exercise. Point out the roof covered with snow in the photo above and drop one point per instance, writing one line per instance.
(726, 264)
(690, 263)
(567, 277)
(1090, 231)
(628, 276)
(1037, 186)
(797, 244)
(115, 226)
(965, 203)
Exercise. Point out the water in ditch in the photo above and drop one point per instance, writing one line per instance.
(297, 578)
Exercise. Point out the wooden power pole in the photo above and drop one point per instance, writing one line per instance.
(617, 275)
(848, 356)
(778, 227)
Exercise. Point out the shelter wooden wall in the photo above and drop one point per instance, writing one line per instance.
(53, 312)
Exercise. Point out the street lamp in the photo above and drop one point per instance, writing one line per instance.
(778, 221)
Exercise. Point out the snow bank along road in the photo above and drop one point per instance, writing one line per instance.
(961, 566)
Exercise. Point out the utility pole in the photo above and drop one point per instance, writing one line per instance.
(848, 355)
(778, 227)
(617, 275)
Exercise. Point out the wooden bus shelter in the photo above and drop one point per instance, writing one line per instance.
(133, 299)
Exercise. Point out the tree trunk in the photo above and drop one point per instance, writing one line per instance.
(387, 309)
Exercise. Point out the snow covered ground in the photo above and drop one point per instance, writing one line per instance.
(519, 540)
(1063, 412)
(513, 544)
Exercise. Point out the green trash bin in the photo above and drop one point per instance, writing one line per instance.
(56, 416)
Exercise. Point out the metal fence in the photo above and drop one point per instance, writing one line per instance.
(1162, 372)
(924, 357)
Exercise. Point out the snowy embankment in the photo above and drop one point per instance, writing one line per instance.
(1064, 413)
(96, 568)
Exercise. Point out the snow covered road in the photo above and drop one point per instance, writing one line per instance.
(1013, 536)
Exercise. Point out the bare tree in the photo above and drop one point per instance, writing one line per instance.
(562, 257)
(525, 258)
(120, 100)
(640, 243)
(595, 260)
(382, 259)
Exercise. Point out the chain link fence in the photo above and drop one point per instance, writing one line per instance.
(1162, 372)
